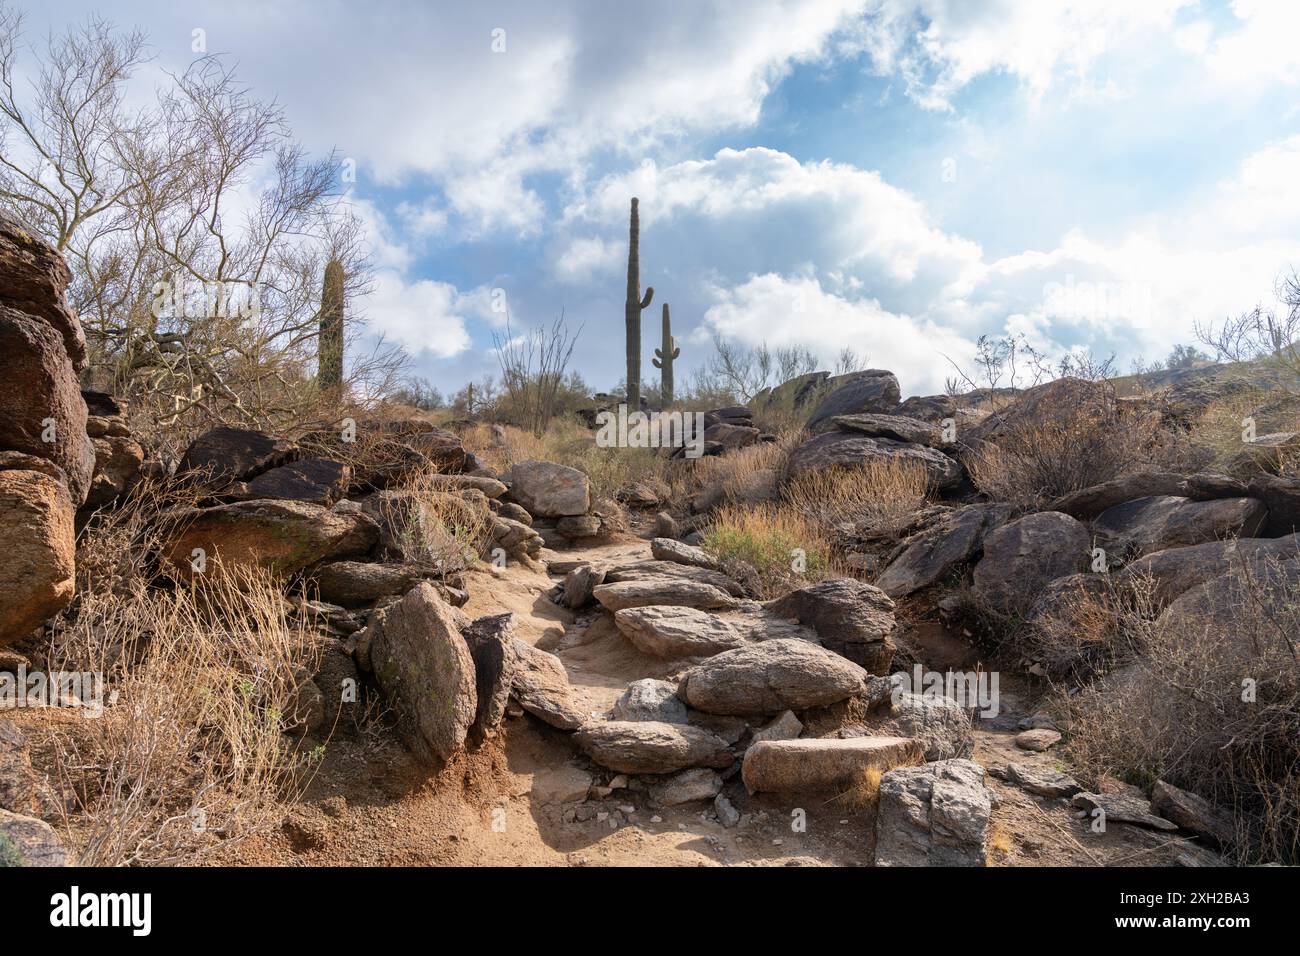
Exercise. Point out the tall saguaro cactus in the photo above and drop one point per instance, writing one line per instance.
(329, 347)
(666, 353)
(632, 310)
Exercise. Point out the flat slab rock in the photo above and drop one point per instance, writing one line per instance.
(678, 592)
(1128, 806)
(651, 746)
(541, 686)
(667, 549)
(830, 766)
(676, 632)
(766, 678)
(669, 570)
(1043, 781)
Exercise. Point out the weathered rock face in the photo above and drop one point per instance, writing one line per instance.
(549, 490)
(321, 481)
(846, 449)
(930, 555)
(675, 632)
(426, 672)
(1176, 570)
(117, 464)
(874, 390)
(1024, 556)
(649, 571)
(665, 591)
(37, 568)
(650, 699)
(227, 454)
(26, 841)
(829, 766)
(852, 618)
(1282, 497)
(666, 549)
(1166, 521)
(282, 536)
(647, 746)
(936, 814)
(783, 674)
(42, 412)
(33, 279)
(542, 688)
(1090, 502)
(898, 427)
(938, 724)
(496, 662)
(1193, 813)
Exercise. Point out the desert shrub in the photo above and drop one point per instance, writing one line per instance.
(1079, 437)
(1183, 711)
(878, 498)
(434, 526)
(766, 541)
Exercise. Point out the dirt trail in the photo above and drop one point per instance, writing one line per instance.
(369, 804)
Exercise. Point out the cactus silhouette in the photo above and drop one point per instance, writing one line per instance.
(632, 310)
(329, 347)
(666, 353)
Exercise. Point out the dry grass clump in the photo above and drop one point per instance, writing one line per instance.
(777, 546)
(433, 526)
(1071, 445)
(878, 498)
(189, 753)
(1000, 842)
(1211, 705)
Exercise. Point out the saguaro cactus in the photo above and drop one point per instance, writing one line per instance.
(329, 347)
(632, 311)
(664, 362)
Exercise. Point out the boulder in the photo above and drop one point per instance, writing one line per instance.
(1025, 555)
(1092, 501)
(26, 841)
(731, 437)
(549, 490)
(225, 454)
(783, 674)
(936, 814)
(42, 412)
(852, 618)
(496, 663)
(33, 279)
(1223, 607)
(873, 390)
(648, 571)
(687, 786)
(1038, 739)
(426, 672)
(321, 481)
(650, 699)
(118, 459)
(455, 483)
(665, 591)
(928, 408)
(360, 583)
(666, 549)
(785, 727)
(579, 585)
(541, 687)
(441, 449)
(578, 526)
(937, 723)
(1167, 521)
(1194, 813)
(675, 632)
(898, 427)
(931, 555)
(847, 449)
(1042, 781)
(1282, 498)
(647, 746)
(1127, 806)
(282, 536)
(37, 572)
(1207, 486)
(1176, 570)
(557, 785)
(830, 766)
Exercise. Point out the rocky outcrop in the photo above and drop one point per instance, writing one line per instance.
(936, 814)
(676, 632)
(933, 553)
(851, 617)
(1167, 521)
(874, 390)
(548, 490)
(766, 678)
(829, 766)
(1024, 556)
(37, 568)
(838, 449)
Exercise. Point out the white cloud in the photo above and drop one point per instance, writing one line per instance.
(586, 257)
(424, 317)
(1262, 49)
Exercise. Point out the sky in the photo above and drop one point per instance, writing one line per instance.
(896, 176)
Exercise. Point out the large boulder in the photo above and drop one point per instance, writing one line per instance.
(839, 449)
(282, 536)
(548, 490)
(1282, 498)
(662, 570)
(852, 618)
(936, 814)
(874, 390)
(33, 279)
(930, 555)
(1175, 570)
(766, 678)
(1024, 556)
(674, 632)
(226, 454)
(541, 686)
(1168, 521)
(496, 663)
(679, 592)
(647, 746)
(939, 724)
(898, 427)
(1092, 501)
(42, 412)
(426, 671)
(829, 766)
(37, 577)
(650, 699)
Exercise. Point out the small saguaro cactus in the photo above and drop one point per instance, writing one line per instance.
(329, 347)
(664, 362)
(632, 311)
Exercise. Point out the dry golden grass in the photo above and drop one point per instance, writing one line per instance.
(776, 545)
(879, 497)
(999, 841)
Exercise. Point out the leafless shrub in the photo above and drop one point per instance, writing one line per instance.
(533, 367)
